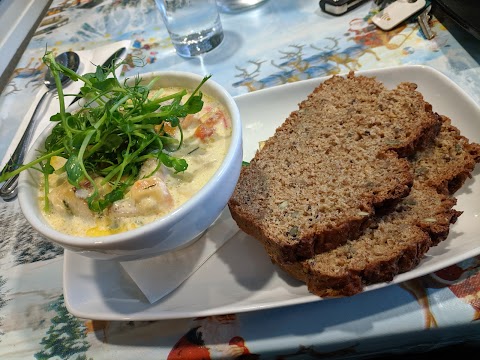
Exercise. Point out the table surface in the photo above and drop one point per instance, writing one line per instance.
(280, 42)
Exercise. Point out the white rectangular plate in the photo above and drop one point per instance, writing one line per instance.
(240, 276)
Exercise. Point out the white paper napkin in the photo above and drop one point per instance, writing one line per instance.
(89, 59)
(158, 276)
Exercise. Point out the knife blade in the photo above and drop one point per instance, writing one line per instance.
(112, 59)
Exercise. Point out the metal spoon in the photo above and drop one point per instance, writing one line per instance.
(70, 59)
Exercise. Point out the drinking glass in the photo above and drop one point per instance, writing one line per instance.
(194, 25)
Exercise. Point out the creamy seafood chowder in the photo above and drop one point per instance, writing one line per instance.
(157, 190)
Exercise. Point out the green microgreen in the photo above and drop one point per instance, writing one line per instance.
(113, 133)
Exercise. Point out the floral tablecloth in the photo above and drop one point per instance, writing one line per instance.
(280, 42)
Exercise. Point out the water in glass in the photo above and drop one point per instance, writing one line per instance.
(194, 25)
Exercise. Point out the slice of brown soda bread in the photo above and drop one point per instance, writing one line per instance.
(332, 165)
(397, 241)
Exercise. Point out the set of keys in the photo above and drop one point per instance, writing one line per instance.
(393, 13)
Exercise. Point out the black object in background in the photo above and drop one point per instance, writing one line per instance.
(466, 13)
(339, 7)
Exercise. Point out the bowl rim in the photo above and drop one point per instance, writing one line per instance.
(34, 214)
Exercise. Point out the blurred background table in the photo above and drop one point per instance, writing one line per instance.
(280, 42)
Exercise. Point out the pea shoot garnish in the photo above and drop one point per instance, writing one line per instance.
(114, 132)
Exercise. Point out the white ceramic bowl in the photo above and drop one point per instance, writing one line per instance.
(173, 231)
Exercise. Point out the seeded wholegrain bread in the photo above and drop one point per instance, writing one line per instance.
(393, 244)
(397, 242)
(331, 165)
(448, 162)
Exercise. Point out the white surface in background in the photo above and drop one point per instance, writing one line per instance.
(88, 61)
(17, 17)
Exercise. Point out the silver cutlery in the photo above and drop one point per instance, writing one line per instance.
(8, 191)
(112, 59)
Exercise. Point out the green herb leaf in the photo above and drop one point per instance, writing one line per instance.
(74, 171)
(114, 132)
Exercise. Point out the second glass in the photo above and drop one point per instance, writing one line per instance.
(234, 6)
(194, 25)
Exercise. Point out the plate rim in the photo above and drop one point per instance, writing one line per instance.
(414, 273)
